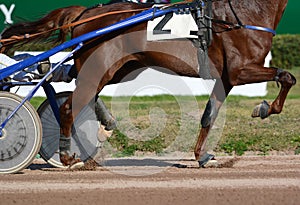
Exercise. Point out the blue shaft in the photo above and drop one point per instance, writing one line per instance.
(141, 17)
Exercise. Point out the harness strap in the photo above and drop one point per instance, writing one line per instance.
(257, 28)
(235, 15)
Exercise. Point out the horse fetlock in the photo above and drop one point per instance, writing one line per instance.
(261, 110)
(110, 124)
(276, 108)
(104, 116)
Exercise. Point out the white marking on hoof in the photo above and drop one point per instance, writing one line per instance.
(256, 110)
(261, 110)
(103, 134)
(77, 165)
(211, 164)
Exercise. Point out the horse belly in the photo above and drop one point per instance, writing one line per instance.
(179, 56)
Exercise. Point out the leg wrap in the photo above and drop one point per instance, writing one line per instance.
(104, 116)
(276, 78)
(209, 113)
(64, 144)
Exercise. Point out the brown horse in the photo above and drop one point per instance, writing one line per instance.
(236, 56)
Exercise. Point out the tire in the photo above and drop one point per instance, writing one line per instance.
(22, 135)
(84, 141)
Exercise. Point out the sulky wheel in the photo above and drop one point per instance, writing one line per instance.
(21, 137)
(84, 140)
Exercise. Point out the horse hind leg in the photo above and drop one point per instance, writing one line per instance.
(264, 109)
(108, 123)
(66, 118)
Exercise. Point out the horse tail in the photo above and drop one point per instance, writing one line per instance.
(44, 29)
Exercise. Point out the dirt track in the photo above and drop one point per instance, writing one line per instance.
(244, 180)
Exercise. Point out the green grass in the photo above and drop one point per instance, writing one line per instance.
(36, 101)
(236, 132)
(278, 132)
(162, 124)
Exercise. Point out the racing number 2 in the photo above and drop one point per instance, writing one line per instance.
(158, 29)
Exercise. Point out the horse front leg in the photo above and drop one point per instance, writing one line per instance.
(217, 98)
(286, 80)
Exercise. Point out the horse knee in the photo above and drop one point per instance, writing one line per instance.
(209, 114)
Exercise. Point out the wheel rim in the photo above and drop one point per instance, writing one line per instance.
(22, 135)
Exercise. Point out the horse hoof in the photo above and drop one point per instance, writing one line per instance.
(68, 160)
(205, 159)
(261, 110)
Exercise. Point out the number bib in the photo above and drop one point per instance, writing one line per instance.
(172, 26)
